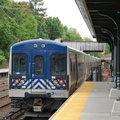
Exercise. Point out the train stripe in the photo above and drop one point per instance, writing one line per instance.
(37, 84)
(43, 83)
(50, 83)
(28, 84)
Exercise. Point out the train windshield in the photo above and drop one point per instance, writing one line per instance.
(59, 64)
(19, 63)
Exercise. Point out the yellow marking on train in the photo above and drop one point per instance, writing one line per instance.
(73, 108)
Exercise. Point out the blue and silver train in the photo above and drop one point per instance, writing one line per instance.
(44, 73)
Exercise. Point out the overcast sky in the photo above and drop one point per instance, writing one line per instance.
(67, 11)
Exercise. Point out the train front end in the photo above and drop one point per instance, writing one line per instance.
(38, 77)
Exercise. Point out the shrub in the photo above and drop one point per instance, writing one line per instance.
(2, 59)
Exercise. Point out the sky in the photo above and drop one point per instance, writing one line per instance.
(68, 13)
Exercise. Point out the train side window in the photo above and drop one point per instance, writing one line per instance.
(58, 64)
(71, 65)
(39, 65)
(19, 63)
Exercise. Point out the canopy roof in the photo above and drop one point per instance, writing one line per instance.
(100, 25)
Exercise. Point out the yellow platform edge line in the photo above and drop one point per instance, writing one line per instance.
(72, 109)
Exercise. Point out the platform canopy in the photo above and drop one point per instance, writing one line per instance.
(103, 20)
(101, 17)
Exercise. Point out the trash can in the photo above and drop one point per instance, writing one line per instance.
(95, 75)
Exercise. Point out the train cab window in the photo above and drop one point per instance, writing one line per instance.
(39, 65)
(58, 64)
(19, 63)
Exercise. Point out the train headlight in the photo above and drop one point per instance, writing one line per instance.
(22, 81)
(61, 81)
(55, 82)
(42, 45)
(16, 81)
(35, 45)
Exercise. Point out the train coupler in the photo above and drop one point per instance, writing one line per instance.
(38, 105)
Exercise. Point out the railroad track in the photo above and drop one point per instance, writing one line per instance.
(6, 112)
(5, 102)
(4, 99)
(14, 115)
(4, 105)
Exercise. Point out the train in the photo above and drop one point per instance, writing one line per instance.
(44, 73)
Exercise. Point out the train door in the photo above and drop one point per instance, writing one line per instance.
(39, 70)
(76, 70)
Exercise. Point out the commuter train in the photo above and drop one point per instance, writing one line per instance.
(44, 73)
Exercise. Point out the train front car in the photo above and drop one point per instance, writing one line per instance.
(38, 77)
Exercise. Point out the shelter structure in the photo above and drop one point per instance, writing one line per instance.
(103, 20)
(86, 46)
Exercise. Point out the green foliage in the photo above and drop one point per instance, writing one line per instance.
(27, 20)
(36, 6)
(1, 53)
(2, 57)
(7, 28)
(5, 2)
(107, 49)
(65, 28)
(41, 28)
(72, 35)
(30, 27)
(54, 28)
(96, 54)
(87, 39)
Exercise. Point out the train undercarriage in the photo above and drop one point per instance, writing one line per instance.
(37, 104)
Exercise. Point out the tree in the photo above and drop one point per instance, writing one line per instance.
(5, 3)
(2, 57)
(30, 27)
(72, 35)
(8, 27)
(65, 29)
(54, 28)
(96, 54)
(41, 28)
(37, 7)
(19, 18)
(107, 49)
(87, 39)
(26, 21)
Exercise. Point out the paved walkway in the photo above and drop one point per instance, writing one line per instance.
(90, 102)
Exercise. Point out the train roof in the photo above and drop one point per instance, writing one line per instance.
(44, 44)
(38, 44)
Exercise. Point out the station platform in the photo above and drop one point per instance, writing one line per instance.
(90, 102)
